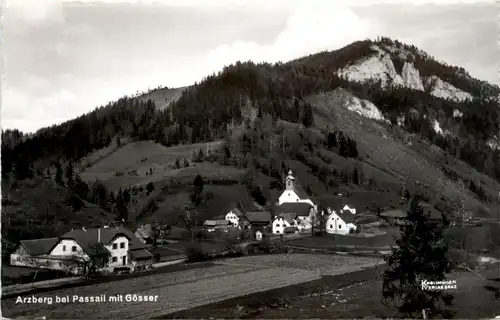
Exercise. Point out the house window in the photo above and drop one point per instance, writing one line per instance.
(64, 248)
(115, 246)
(277, 231)
(114, 259)
(73, 248)
(122, 245)
(278, 225)
(340, 226)
(331, 226)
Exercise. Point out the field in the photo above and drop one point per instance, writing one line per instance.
(355, 295)
(229, 278)
(472, 301)
(139, 163)
(334, 241)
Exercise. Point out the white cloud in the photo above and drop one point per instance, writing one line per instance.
(313, 26)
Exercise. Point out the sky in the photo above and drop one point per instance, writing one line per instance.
(63, 59)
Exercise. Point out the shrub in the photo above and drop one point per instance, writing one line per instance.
(195, 253)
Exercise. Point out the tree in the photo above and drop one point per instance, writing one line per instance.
(355, 176)
(186, 163)
(59, 173)
(198, 184)
(407, 195)
(421, 254)
(87, 262)
(121, 207)
(69, 173)
(150, 187)
(177, 164)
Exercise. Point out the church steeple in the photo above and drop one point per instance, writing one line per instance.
(290, 181)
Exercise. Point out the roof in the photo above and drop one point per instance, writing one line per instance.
(37, 247)
(346, 216)
(291, 229)
(145, 231)
(289, 217)
(140, 254)
(214, 223)
(334, 203)
(394, 214)
(299, 208)
(300, 192)
(88, 238)
(262, 216)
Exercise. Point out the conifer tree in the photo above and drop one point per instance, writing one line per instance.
(420, 254)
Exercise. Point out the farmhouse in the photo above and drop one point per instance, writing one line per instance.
(258, 220)
(213, 225)
(112, 247)
(292, 193)
(234, 215)
(148, 233)
(340, 222)
(284, 221)
(305, 213)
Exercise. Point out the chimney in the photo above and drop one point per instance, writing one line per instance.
(99, 235)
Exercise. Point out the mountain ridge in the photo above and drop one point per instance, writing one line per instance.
(314, 113)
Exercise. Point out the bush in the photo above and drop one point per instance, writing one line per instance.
(196, 254)
(157, 257)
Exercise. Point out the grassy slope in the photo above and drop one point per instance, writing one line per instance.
(163, 97)
(417, 166)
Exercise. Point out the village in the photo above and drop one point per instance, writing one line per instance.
(296, 216)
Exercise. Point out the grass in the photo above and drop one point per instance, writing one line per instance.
(335, 241)
(348, 296)
(252, 306)
(381, 148)
(163, 97)
(113, 278)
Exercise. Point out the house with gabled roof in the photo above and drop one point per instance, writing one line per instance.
(214, 225)
(305, 214)
(340, 222)
(148, 233)
(258, 220)
(283, 221)
(116, 246)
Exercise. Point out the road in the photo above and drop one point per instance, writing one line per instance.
(185, 289)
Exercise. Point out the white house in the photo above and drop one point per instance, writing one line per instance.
(283, 222)
(304, 213)
(339, 222)
(234, 215)
(115, 246)
(349, 207)
(293, 194)
(258, 235)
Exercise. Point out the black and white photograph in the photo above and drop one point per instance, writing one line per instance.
(250, 159)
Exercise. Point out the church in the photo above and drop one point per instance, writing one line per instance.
(295, 205)
(293, 194)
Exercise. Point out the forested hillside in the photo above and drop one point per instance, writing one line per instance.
(268, 119)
